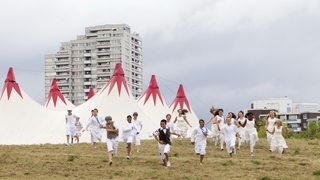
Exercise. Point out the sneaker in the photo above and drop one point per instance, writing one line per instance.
(168, 164)
(128, 157)
(110, 163)
(201, 164)
(251, 154)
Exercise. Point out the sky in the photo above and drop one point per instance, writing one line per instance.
(226, 53)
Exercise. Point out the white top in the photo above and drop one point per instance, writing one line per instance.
(78, 125)
(94, 123)
(71, 119)
(271, 123)
(242, 120)
(250, 124)
(220, 120)
(128, 129)
(229, 131)
(200, 134)
(138, 124)
(170, 125)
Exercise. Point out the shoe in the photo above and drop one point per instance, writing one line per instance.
(251, 154)
(110, 163)
(128, 157)
(238, 148)
(201, 164)
(168, 164)
(222, 149)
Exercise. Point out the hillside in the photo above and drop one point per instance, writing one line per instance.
(81, 161)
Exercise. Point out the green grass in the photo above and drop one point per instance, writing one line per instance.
(82, 161)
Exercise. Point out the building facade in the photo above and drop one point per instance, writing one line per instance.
(89, 61)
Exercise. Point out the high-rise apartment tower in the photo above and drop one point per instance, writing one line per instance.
(89, 61)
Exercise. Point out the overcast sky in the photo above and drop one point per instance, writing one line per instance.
(225, 52)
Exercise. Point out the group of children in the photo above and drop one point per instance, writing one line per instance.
(223, 131)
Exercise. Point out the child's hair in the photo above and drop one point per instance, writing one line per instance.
(184, 111)
(201, 120)
(248, 113)
(129, 116)
(217, 112)
(232, 115)
(164, 121)
(275, 122)
(241, 113)
(168, 115)
(212, 110)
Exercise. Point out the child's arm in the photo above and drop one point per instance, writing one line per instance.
(175, 120)
(209, 120)
(193, 136)
(271, 132)
(244, 124)
(185, 119)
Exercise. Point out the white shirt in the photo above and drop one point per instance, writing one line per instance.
(94, 123)
(128, 129)
(71, 119)
(137, 123)
(198, 134)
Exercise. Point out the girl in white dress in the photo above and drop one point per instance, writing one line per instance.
(277, 141)
(214, 127)
(182, 123)
(219, 122)
(241, 130)
(269, 126)
(251, 133)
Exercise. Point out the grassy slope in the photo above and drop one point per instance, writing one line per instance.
(81, 161)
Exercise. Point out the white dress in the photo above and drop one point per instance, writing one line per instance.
(241, 130)
(251, 134)
(78, 129)
(270, 128)
(181, 126)
(277, 140)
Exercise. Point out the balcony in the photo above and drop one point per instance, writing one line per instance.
(103, 45)
(87, 54)
(87, 69)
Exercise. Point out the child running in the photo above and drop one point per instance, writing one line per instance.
(277, 140)
(250, 131)
(78, 133)
(199, 139)
(162, 135)
(112, 138)
(229, 130)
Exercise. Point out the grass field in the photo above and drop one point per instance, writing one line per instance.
(81, 161)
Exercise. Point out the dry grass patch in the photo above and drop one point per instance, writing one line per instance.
(81, 161)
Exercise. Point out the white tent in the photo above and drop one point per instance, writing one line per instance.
(23, 121)
(181, 102)
(152, 103)
(56, 101)
(115, 99)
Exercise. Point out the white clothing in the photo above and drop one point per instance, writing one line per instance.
(112, 145)
(93, 126)
(230, 136)
(170, 126)
(70, 124)
(241, 131)
(199, 137)
(78, 129)
(136, 131)
(251, 134)
(277, 141)
(181, 126)
(221, 136)
(128, 130)
(163, 148)
(270, 128)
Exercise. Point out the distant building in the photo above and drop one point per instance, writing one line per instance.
(89, 61)
(281, 105)
(296, 115)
